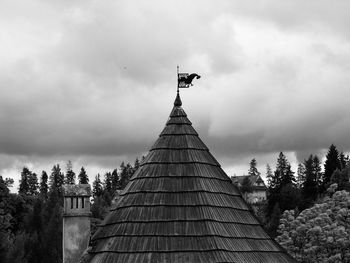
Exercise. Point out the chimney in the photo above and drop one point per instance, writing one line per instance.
(76, 221)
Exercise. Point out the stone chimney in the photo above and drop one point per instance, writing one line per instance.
(76, 221)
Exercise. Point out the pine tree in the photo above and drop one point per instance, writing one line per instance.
(318, 171)
(332, 163)
(23, 183)
(115, 181)
(43, 185)
(309, 187)
(253, 171)
(97, 187)
(33, 184)
(125, 174)
(83, 178)
(70, 175)
(269, 176)
(282, 190)
(56, 179)
(300, 175)
(108, 183)
(283, 174)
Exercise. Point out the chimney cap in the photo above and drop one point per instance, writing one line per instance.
(71, 190)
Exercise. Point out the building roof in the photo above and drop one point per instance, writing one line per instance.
(256, 180)
(180, 206)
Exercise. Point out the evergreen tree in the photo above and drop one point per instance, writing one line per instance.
(5, 220)
(283, 174)
(136, 164)
(23, 183)
(253, 171)
(341, 178)
(115, 181)
(125, 174)
(108, 183)
(33, 184)
(70, 175)
(332, 163)
(43, 185)
(83, 178)
(97, 187)
(282, 192)
(56, 180)
(318, 171)
(269, 176)
(300, 175)
(309, 187)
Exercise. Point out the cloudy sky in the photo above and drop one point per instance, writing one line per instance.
(94, 81)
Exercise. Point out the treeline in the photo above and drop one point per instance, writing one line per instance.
(290, 191)
(31, 220)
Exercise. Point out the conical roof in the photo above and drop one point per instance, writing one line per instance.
(180, 206)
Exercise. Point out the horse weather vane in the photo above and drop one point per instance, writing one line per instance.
(184, 80)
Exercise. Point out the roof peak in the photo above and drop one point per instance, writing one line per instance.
(178, 101)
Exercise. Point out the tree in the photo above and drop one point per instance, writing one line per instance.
(344, 160)
(282, 192)
(341, 178)
(125, 174)
(253, 171)
(5, 220)
(115, 181)
(309, 188)
(83, 178)
(97, 187)
(246, 186)
(70, 175)
(269, 176)
(283, 174)
(108, 183)
(331, 164)
(33, 184)
(136, 164)
(300, 175)
(319, 233)
(56, 179)
(43, 185)
(23, 183)
(318, 171)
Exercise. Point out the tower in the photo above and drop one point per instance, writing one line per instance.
(76, 221)
(181, 207)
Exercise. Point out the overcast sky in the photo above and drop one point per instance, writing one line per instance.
(94, 81)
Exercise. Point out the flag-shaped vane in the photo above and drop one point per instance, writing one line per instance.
(184, 80)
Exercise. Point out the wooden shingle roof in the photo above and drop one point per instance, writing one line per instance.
(180, 206)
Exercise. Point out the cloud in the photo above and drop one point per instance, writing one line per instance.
(94, 79)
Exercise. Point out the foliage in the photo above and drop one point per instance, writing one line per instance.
(341, 178)
(70, 175)
(282, 193)
(300, 175)
(309, 187)
(319, 233)
(253, 170)
(246, 186)
(43, 185)
(269, 175)
(331, 164)
(83, 178)
(97, 186)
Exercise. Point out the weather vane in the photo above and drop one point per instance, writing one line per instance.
(184, 80)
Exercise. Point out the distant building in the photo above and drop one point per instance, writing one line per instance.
(259, 188)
